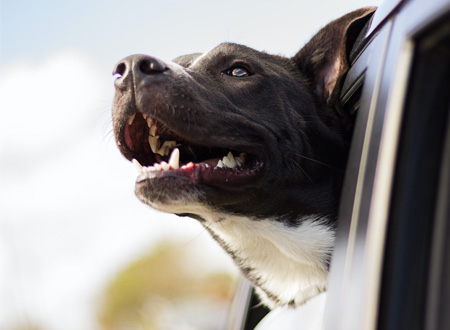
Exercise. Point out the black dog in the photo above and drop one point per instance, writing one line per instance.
(250, 144)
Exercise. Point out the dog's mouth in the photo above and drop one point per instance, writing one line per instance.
(159, 152)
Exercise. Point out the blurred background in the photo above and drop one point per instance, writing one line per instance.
(77, 250)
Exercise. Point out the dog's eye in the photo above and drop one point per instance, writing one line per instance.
(238, 71)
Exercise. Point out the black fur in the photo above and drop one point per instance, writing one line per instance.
(285, 114)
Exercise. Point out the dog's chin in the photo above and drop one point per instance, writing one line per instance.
(169, 193)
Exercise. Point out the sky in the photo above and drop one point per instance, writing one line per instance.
(68, 216)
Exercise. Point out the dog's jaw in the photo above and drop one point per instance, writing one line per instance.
(288, 265)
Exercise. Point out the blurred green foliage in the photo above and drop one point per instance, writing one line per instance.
(152, 287)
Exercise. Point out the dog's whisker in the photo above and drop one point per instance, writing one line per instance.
(108, 136)
(314, 160)
(297, 165)
(198, 235)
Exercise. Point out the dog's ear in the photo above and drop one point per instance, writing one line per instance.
(186, 60)
(324, 59)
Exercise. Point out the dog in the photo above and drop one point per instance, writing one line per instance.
(250, 144)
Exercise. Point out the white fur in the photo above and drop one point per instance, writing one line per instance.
(289, 262)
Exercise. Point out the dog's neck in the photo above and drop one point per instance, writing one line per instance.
(287, 264)
(287, 261)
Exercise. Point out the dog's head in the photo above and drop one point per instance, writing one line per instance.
(238, 131)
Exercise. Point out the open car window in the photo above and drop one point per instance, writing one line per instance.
(391, 264)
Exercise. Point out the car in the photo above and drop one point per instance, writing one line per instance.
(391, 264)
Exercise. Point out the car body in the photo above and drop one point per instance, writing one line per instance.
(391, 263)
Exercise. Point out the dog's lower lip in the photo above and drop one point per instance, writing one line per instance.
(202, 173)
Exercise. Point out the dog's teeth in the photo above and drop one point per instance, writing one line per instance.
(131, 119)
(162, 150)
(229, 160)
(149, 122)
(188, 166)
(166, 147)
(152, 130)
(174, 160)
(240, 159)
(219, 164)
(226, 161)
(165, 166)
(157, 167)
(232, 160)
(138, 165)
(154, 143)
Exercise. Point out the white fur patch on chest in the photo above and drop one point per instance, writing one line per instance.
(288, 264)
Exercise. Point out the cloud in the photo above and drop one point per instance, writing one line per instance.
(50, 134)
(49, 110)
(43, 101)
(69, 216)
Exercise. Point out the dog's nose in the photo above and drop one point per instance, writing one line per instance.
(141, 67)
